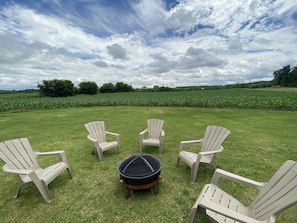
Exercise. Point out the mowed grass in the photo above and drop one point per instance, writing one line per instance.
(259, 143)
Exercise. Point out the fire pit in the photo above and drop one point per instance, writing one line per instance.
(140, 172)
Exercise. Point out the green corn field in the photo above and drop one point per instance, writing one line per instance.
(280, 100)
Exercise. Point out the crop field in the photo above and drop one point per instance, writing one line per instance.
(280, 99)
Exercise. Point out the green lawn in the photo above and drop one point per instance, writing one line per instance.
(260, 141)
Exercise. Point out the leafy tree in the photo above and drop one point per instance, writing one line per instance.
(122, 87)
(164, 89)
(88, 88)
(285, 77)
(144, 88)
(107, 88)
(156, 88)
(293, 77)
(281, 76)
(56, 88)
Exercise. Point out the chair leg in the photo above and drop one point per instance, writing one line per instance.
(213, 165)
(194, 171)
(177, 163)
(100, 154)
(43, 189)
(19, 190)
(196, 209)
(69, 173)
(46, 195)
(192, 215)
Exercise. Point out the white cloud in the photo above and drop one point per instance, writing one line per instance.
(161, 65)
(150, 15)
(198, 58)
(143, 44)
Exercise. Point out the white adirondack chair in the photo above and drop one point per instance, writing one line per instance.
(279, 194)
(98, 134)
(153, 135)
(211, 143)
(20, 159)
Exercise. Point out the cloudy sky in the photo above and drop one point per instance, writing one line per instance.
(145, 42)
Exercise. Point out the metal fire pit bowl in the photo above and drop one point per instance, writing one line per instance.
(140, 172)
(140, 169)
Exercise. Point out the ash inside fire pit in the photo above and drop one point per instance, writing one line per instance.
(140, 169)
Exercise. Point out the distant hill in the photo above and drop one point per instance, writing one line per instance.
(260, 84)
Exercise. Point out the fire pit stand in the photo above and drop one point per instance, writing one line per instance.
(128, 188)
(140, 172)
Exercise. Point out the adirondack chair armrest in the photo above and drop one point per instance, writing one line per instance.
(52, 153)
(143, 132)
(115, 135)
(183, 144)
(195, 141)
(6, 169)
(92, 139)
(209, 205)
(112, 133)
(211, 152)
(31, 173)
(219, 173)
(60, 154)
(162, 136)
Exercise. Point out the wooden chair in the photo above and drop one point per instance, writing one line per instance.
(154, 134)
(279, 194)
(212, 142)
(98, 134)
(20, 159)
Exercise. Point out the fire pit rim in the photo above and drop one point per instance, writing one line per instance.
(136, 179)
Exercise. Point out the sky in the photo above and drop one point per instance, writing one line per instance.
(145, 43)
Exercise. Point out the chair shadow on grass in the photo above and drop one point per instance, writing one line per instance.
(150, 150)
(204, 174)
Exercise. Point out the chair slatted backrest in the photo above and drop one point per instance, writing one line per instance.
(96, 130)
(214, 137)
(154, 127)
(18, 154)
(278, 194)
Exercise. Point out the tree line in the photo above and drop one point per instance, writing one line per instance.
(62, 88)
(285, 77)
